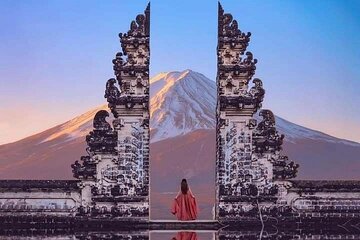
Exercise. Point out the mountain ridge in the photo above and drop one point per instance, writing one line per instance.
(82, 123)
(176, 150)
(180, 106)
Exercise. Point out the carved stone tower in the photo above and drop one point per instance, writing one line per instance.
(115, 174)
(248, 161)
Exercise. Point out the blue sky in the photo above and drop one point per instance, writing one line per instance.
(55, 56)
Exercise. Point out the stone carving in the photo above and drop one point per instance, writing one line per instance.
(240, 67)
(229, 32)
(141, 27)
(248, 153)
(112, 93)
(284, 168)
(102, 139)
(100, 122)
(257, 93)
(118, 63)
(86, 170)
(131, 67)
(117, 168)
(266, 137)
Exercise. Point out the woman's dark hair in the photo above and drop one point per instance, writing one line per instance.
(184, 186)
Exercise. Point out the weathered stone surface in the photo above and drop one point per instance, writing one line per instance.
(116, 172)
(253, 177)
(246, 150)
(39, 197)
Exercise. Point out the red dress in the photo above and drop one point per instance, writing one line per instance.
(184, 206)
(185, 236)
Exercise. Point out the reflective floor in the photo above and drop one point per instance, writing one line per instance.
(187, 235)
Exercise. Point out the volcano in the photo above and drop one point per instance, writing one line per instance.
(182, 126)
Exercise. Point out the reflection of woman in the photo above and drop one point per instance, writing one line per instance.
(185, 236)
(184, 205)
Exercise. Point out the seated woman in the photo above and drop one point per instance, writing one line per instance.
(184, 205)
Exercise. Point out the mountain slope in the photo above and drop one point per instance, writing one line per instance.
(182, 145)
(181, 103)
(184, 103)
(47, 155)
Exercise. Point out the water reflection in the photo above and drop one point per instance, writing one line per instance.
(181, 235)
(185, 236)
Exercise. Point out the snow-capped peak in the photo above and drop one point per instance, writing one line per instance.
(181, 102)
(159, 81)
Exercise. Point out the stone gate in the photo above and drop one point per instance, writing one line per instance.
(253, 177)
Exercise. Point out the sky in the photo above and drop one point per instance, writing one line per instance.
(55, 56)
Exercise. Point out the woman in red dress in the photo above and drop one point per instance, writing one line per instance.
(184, 205)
